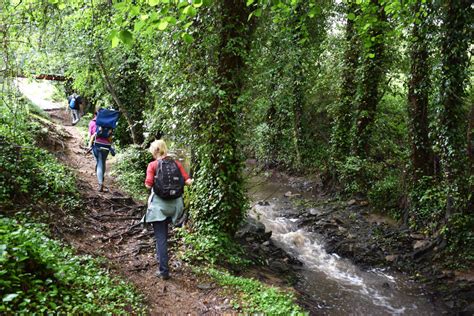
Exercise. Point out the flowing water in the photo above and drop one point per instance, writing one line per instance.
(339, 287)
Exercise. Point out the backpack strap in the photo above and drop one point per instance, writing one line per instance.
(158, 168)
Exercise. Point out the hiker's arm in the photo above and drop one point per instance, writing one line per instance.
(91, 140)
(150, 174)
(187, 179)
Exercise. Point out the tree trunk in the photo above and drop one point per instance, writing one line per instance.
(418, 90)
(220, 203)
(340, 138)
(298, 102)
(452, 115)
(119, 104)
(373, 73)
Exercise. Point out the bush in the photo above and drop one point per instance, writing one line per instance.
(39, 275)
(130, 171)
(211, 248)
(31, 173)
(386, 193)
(428, 202)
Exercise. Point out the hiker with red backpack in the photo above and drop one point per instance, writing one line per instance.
(166, 178)
(100, 140)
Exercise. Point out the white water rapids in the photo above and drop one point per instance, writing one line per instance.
(339, 287)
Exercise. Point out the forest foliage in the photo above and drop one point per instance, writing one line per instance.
(376, 96)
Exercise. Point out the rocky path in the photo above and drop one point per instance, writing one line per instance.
(109, 227)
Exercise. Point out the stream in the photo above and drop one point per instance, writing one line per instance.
(339, 287)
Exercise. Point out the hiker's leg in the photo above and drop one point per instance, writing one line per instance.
(100, 167)
(104, 154)
(72, 115)
(75, 116)
(161, 236)
(98, 164)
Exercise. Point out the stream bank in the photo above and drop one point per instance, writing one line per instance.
(410, 281)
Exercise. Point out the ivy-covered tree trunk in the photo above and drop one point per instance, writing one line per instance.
(340, 138)
(372, 76)
(298, 104)
(452, 113)
(418, 90)
(219, 203)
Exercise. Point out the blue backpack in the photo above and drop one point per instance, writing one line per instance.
(106, 122)
(72, 103)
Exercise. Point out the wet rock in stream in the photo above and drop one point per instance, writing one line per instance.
(256, 240)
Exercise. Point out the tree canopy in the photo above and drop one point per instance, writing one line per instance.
(376, 96)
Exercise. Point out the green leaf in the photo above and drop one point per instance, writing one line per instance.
(114, 38)
(351, 16)
(153, 2)
(187, 38)
(10, 297)
(3, 249)
(314, 11)
(162, 25)
(197, 3)
(250, 2)
(257, 12)
(126, 37)
(134, 11)
(61, 6)
(182, 4)
(371, 55)
(190, 11)
(139, 25)
(170, 20)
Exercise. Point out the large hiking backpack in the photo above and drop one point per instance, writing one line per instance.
(72, 103)
(106, 122)
(169, 182)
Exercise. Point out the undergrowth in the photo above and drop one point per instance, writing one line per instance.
(130, 171)
(39, 275)
(254, 296)
(211, 248)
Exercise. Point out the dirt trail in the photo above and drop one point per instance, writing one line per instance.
(109, 228)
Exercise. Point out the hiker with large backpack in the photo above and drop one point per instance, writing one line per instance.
(74, 101)
(101, 129)
(166, 178)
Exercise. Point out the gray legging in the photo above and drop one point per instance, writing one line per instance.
(76, 116)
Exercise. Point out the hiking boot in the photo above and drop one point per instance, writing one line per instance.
(101, 188)
(162, 276)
